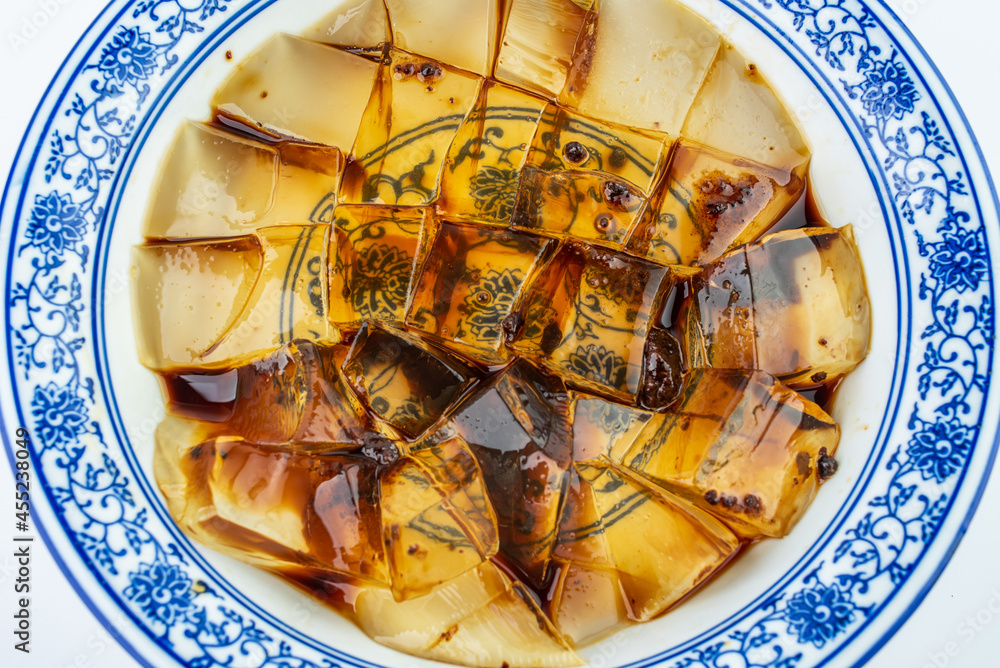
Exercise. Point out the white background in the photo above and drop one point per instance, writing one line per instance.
(957, 625)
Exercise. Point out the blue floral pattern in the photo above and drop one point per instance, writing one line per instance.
(803, 622)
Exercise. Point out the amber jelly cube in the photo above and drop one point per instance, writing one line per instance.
(470, 283)
(741, 446)
(567, 140)
(216, 184)
(301, 90)
(518, 428)
(415, 111)
(587, 315)
(793, 304)
(436, 521)
(710, 202)
(462, 33)
(481, 176)
(218, 304)
(640, 63)
(403, 380)
(271, 507)
(356, 25)
(538, 44)
(374, 256)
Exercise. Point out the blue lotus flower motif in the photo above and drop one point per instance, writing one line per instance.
(495, 192)
(59, 414)
(382, 281)
(491, 300)
(818, 614)
(57, 223)
(959, 261)
(129, 58)
(888, 92)
(598, 364)
(163, 591)
(940, 449)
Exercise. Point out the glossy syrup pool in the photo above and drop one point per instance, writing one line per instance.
(486, 345)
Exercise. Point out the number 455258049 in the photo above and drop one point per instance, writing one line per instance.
(22, 480)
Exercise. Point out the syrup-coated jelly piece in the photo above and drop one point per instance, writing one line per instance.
(587, 315)
(640, 63)
(411, 120)
(436, 520)
(793, 304)
(518, 428)
(471, 281)
(603, 428)
(567, 140)
(269, 507)
(356, 25)
(538, 44)
(738, 113)
(710, 202)
(295, 396)
(462, 33)
(216, 184)
(213, 305)
(301, 89)
(741, 446)
(586, 206)
(480, 618)
(662, 547)
(406, 382)
(480, 179)
(376, 252)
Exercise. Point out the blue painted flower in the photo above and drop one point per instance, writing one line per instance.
(129, 58)
(59, 414)
(818, 614)
(598, 364)
(57, 223)
(888, 92)
(959, 261)
(163, 591)
(940, 449)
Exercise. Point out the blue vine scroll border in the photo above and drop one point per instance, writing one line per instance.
(172, 598)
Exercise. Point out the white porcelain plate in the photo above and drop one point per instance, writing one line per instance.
(893, 155)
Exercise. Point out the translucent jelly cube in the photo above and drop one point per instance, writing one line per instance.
(187, 296)
(376, 252)
(462, 33)
(414, 114)
(301, 89)
(271, 507)
(480, 618)
(741, 446)
(538, 43)
(586, 317)
(436, 520)
(470, 283)
(737, 112)
(518, 427)
(294, 396)
(356, 24)
(604, 428)
(567, 140)
(641, 63)
(589, 206)
(793, 304)
(212, 305)
(216, 184)
(710, 202)
(482, 173)
(586, 603)
(662, 547)
(403, 380)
